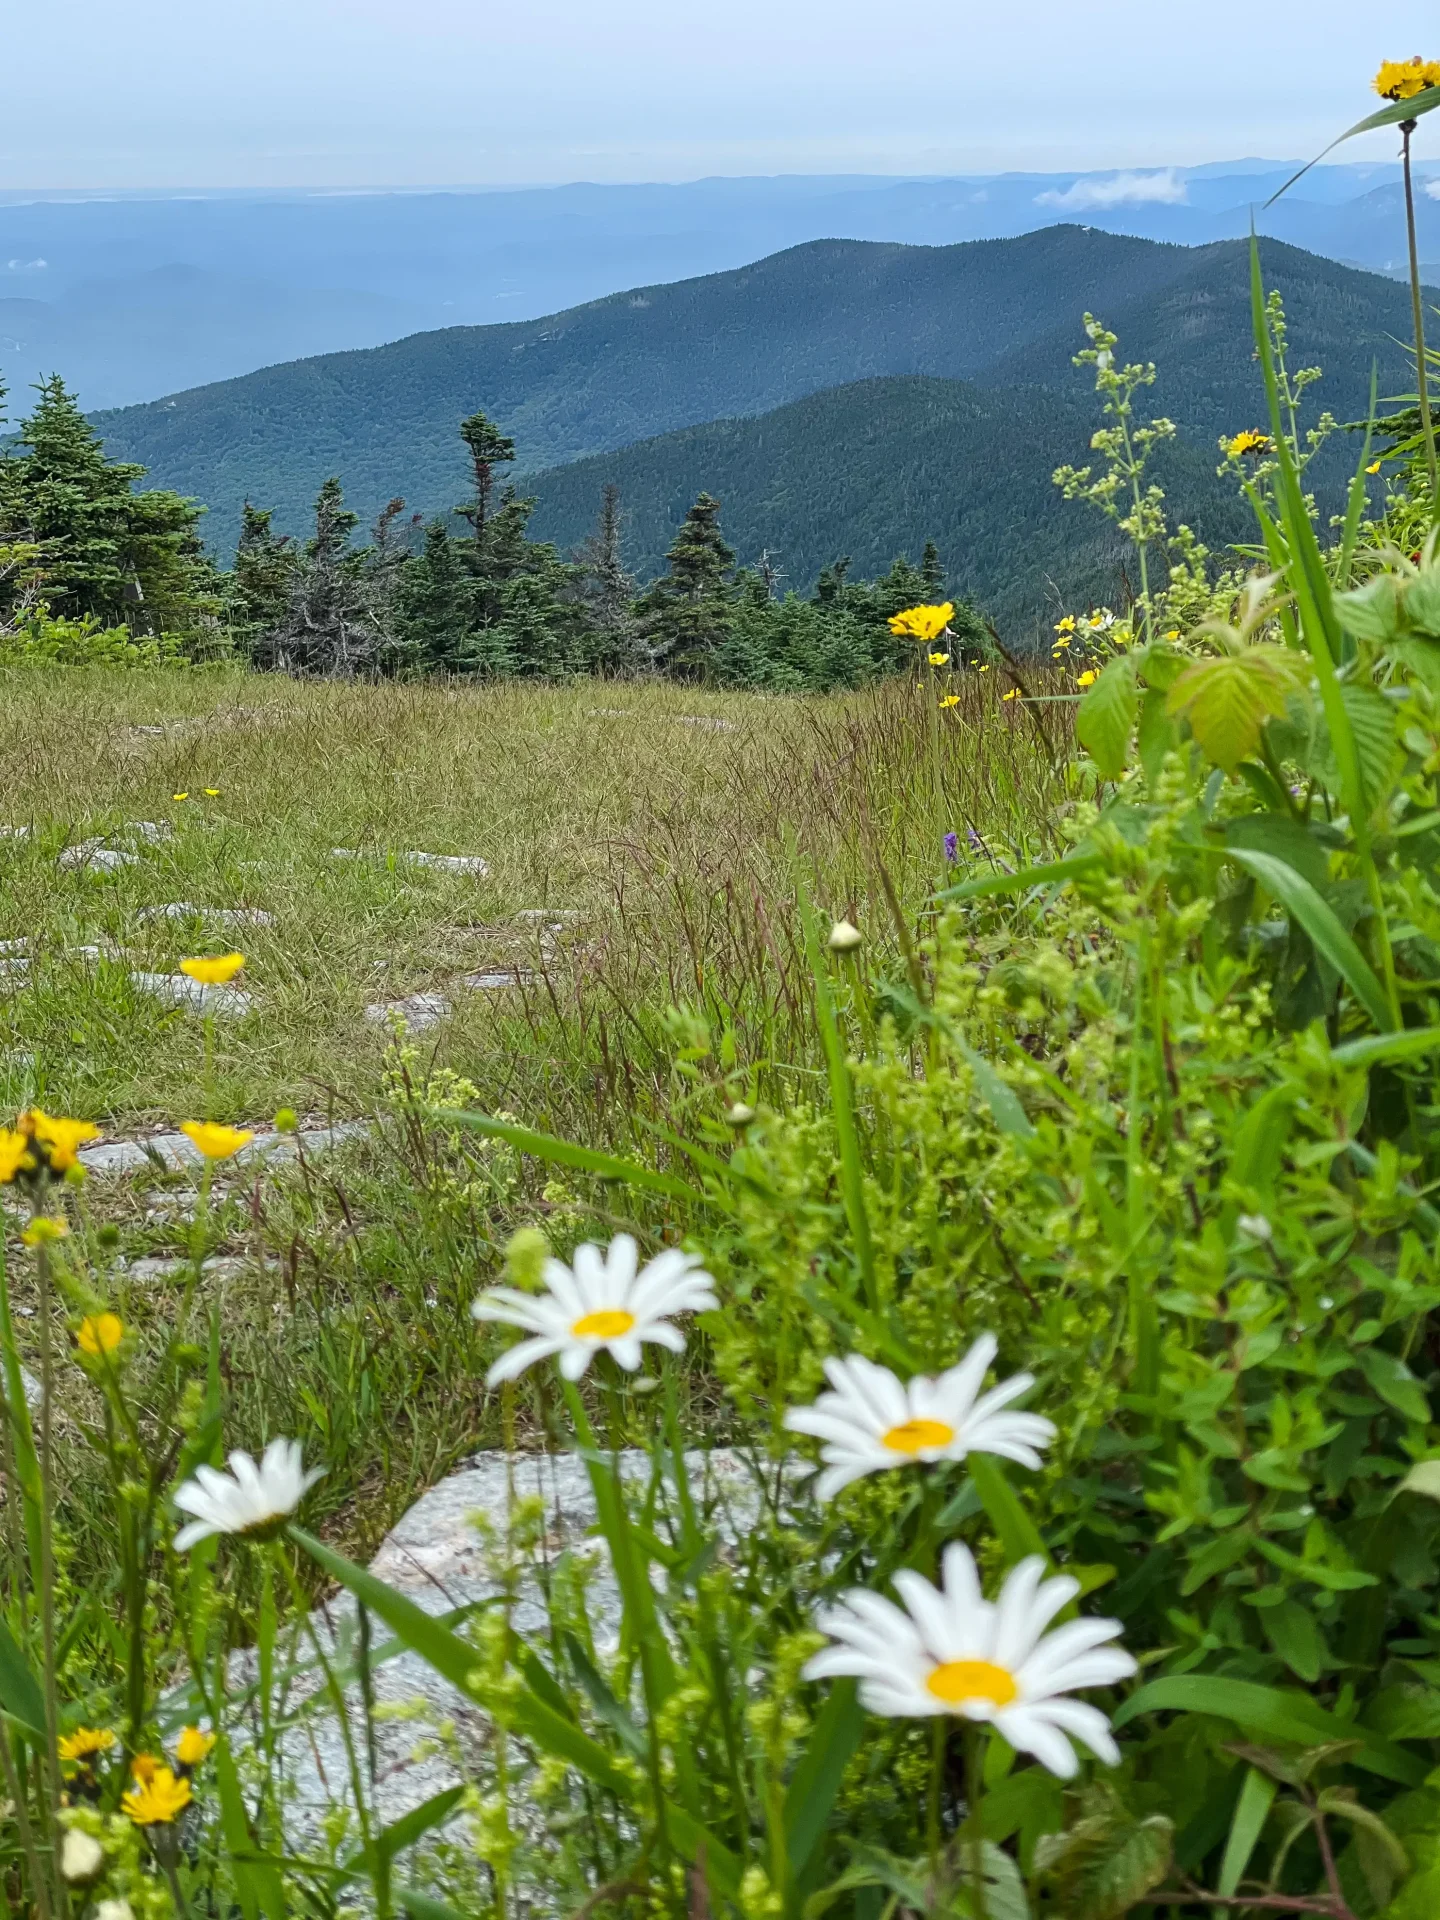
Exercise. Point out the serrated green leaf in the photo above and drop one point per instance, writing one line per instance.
(1227, 700)
(1105, 718)
(1107, 1862)
(1372, 612)
(1372, 726)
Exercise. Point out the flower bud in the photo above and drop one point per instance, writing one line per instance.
(114, 1910)
(286, 1120)
(525, 1255)
(844, 938)
(739, 1115)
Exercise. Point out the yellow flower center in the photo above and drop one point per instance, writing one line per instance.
(608, 1324)
(913, 1436)
(956, 1681)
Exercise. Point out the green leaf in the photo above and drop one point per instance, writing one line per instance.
(1317, 917)
(544, 1146)
(259, 1887)
(1053, 873)
(1372, 725)
(1388, 116)
(1107, 1861)
(1228, 699)
(1257, 1796)
(1395, 1383)
(1018, 1533)
(1003, 1101)
(410, 1827)
(420, 1906)
(1423, 1478)
(1291, 1630)
(1275, 1714)
(21, 1701)
(816, 1780)
(1105, 718)
(1284, 838)
(1382, 1048)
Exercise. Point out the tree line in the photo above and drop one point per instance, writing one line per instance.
(468, 593)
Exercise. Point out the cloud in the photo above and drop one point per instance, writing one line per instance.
(26, 266)
(1118, 190)
(1432, 187)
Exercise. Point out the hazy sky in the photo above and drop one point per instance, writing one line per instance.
(371, 92)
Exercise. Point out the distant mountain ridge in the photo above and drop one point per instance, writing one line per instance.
(1003, 314)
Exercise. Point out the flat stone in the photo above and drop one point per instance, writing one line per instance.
(494, 982)
(95, 855)
(177, 1150)
(439, 1559)
(152, 832)
(179, 990)
(420, 1012)
(152, 1267)
(710, 720)
(16, 833)
(445, 862)
(221, 916)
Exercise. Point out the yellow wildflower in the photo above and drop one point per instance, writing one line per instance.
(1172, 634)
(85, 1745)
(938, 659)
(1087, 679)
(1374, 467)
(985, 668)
(1250, 441)
(1403, 79)
(145, 1766)
(1013, 694)
(923, 623)
(43, 1229)
(1061, 644)
(158, 1801)
(15, 1154)
(192, 1746)
(180, 796)
(59, 1139)
(213, 971)
(1067, 625)
(212, 793)
(950, 700)
(213, 1140)
(99, 1333)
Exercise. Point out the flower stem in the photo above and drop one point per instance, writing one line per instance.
(1427, 427)
(974, 1832)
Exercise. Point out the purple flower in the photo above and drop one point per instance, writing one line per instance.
(952, 847)
(976, 843)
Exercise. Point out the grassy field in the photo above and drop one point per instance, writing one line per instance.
(643, 846)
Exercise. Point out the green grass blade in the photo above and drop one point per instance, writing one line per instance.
(545, 1146)
(259, 1887)
(1317, 917)
(1355, 501)
(1275, 1714)
(816, 1781)
(420, 1906)
(1018, 1533)
(21, 1700)
(1251, 1812)
(1391, 116)
(1052, 871)
(1382, 1048)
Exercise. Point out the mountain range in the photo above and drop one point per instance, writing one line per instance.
(839, 398)
(133, 296)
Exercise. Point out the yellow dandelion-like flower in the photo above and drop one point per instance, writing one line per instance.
(923, 623)
(213, 1140)
(212, 793)
(1013, 694)
(15, 1154)
(1250, 441)
(99, 1334)
(950, 700)
(84, 1745)
(43, 1229)
(180, 796)
(1067, 625)
(158, 1801)
(1087, 679)
(985, 668)
(192, 1746)
(213, 971)
(1172, 634)
(145, 1766)
(938, 659)
(1403, 79)
(1374, 467)
(59, 1140)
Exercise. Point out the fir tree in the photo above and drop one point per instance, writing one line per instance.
(435, 606)
(686, 615)
(260, 583)
(330, 626)
(489, 448)
(610, 593)
(105, 549)
(932, 575)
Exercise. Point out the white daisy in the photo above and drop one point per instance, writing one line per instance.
(248, 1499)
(952, 1651)
(873, 1420)
(601, 1302)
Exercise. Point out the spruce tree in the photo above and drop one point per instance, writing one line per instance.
(489, 448)
(932, 575)
(610, 593)
(435, 607)
(105, 549)
(260, 583)
(330, 626)
(686, 615)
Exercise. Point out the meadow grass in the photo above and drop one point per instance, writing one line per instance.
(644, 848)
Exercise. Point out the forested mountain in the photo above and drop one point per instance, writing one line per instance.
(1000, 313)
(864, 471)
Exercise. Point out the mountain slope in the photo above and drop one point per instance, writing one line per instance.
(869, 470)
(624, 368)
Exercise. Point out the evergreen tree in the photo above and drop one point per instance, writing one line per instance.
(932, 575)
(489, 448)
(686, 615)
(330, 625)
(105, 549)
(260, 583)
(435, 606)
(610, 593)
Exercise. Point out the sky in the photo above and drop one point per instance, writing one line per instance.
(352, 93)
